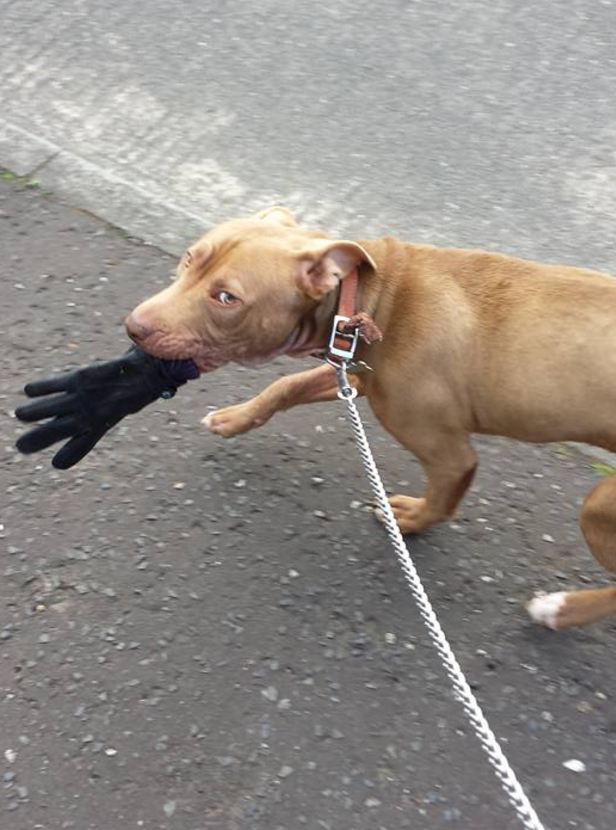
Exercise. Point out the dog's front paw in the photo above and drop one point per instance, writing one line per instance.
(233, 420)
(412, 515)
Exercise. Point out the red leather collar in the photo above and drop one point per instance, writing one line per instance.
(350, 324)
(347, 296)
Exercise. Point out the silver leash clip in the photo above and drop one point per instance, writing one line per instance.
(341, 359)
(346, 392)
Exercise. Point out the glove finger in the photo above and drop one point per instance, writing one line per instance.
(47, 386)
(75, 450)
(37, 410)
(47, 434)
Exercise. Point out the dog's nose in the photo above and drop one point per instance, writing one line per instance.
(137, 330)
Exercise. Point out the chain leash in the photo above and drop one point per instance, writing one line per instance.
(462, 691)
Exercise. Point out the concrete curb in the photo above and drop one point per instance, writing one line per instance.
(141, 212)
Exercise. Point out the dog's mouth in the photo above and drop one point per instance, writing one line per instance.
(187, 364)
(180, 360)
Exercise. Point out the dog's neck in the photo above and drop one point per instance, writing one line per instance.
(356, 300)
(373, 298)
(379, 296)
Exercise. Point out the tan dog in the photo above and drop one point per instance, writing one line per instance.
(473, 342)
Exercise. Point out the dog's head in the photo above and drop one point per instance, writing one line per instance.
(247, 291)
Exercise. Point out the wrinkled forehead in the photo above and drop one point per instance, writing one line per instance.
(251, 236)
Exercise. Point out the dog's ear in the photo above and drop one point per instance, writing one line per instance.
(279, 215)
(323, 264)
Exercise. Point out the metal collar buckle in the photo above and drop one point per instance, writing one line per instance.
(335, 351)
(341, 358)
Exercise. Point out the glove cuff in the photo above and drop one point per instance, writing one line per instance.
(177, 372)
(164, 376)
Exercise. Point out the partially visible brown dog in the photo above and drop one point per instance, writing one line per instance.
(473, 342)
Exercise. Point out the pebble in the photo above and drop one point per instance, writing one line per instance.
(226, 760)
(574, 765)
(271, 693)
(170, 808)
(285, 771)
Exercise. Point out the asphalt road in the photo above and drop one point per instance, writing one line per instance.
(198, 634)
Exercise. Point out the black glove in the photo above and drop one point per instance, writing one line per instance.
(94, 399)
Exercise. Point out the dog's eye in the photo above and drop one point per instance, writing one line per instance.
(226, 298)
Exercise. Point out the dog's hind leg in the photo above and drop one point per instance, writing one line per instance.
(598, 523)
(449, 462)
(314, 386)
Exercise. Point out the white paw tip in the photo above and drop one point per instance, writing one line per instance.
(545, 609)
(207, 421)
